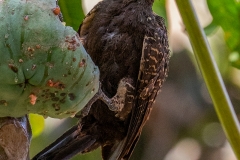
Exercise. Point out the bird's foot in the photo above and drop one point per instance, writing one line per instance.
(120, 103)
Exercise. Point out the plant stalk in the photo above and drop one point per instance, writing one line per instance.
(211, 75)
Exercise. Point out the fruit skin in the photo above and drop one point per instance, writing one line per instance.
(43, 66)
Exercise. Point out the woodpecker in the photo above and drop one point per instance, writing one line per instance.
(129, 44)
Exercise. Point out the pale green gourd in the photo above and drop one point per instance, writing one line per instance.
(44, 68)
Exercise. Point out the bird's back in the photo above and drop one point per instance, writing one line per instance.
(114, 39)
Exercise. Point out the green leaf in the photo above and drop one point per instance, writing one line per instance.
(37, 124)
(160, 9)
(234, 59)
(226, 14)
(211, 29)
(72, 12)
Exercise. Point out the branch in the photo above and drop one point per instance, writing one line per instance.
(15, 136)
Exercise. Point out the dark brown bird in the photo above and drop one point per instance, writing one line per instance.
(129, 44)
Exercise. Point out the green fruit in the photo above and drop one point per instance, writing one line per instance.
(44, 68)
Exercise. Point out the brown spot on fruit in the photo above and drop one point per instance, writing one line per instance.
(34, 66)
(71, 96)
(55, 99)
(57, 84)
(21, 85)
(62, 100)
(72, 43)
(38, 46)
(13, 67)
(3, 102)
(29, 49)
(26, 18)
(56, 10)
(70, 47)
(62, 94)
(56, 106)
(46, 90)
(74, 48)
(33, 98)
(50, 64)
(82, 63)
(72, 40)
(52, 95)
(50, 83)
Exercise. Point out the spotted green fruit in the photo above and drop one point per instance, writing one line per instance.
(44, 68)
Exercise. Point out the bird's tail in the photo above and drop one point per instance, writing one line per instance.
(68, 145)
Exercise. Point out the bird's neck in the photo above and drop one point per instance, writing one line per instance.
(150, 2)
(146, 1)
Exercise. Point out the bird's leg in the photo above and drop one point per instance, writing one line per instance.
(118, 101)
(121, 102)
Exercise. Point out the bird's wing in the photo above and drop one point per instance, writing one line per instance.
(152, 73)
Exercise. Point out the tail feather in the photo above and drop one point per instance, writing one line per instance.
(113, 152)
(82, 144)
(68, 145)
(117, 152)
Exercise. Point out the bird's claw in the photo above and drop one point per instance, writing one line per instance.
(117, 102)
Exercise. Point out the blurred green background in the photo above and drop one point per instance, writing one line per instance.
(183, 124)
